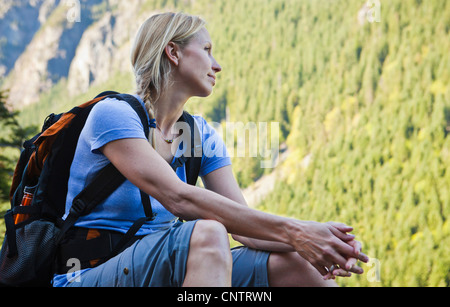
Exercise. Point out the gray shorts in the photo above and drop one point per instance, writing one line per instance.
(159, 260)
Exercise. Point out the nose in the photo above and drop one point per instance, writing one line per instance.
(215, 66)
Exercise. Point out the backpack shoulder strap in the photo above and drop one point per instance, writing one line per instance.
(193, 163)
(138, 108)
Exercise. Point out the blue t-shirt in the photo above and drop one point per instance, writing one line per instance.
(112, 120)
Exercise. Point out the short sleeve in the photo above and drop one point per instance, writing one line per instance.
(111, 120)
(215, 154)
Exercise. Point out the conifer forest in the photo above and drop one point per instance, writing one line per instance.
(361, 94)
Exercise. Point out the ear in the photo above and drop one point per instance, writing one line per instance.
(173, 53)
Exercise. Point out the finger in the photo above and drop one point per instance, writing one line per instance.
(363, 257)
(357, 249)
(342, 235)
(356, 246)
(356, 269)
(330, 274)
(322, 270)
(335, 258)
(341, 273)
(330, 271)
(350, 263)
(352, 267)
(345, 250)
(341, 226)
(329, 277)
(319, 267)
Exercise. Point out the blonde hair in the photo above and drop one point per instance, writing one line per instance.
(150, 63)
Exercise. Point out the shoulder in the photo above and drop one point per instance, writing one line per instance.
(112, 105)
(112, 119)
(114, 112)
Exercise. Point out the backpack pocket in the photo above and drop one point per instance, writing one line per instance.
(33, 263)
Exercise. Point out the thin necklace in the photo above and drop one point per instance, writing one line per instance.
(168, 141)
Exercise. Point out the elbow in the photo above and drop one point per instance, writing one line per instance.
(179, 202)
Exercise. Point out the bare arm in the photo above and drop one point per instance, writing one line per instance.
(223, 182)
(321, 244)
(146, 169)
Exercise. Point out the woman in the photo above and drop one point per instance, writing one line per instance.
(173, 61)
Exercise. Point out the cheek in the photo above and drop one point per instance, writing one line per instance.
(192, 64)
(201, 61)
(199, 68)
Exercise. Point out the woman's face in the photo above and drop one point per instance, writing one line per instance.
(197, 69)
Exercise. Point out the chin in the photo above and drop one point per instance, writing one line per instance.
(202, 90)
(202, 96)
(205, 93)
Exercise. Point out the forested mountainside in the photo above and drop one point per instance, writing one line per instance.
(360, 90)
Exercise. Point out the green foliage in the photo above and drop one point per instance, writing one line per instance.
(374, 117)
(366, 104)
(13, 135)
(4, 206)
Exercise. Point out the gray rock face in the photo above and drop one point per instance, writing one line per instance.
(39, 41)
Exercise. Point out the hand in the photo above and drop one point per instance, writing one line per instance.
(350, 266)
(324, 245)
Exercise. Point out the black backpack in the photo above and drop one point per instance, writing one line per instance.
(34, 231)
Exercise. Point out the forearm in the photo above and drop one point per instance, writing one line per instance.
(264, 245)
(198, 203)
(223, 182)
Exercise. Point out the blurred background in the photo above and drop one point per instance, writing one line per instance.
(360, 89)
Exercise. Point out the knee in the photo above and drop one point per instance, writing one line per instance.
(289, 269)
(210, 233)
(210, 241)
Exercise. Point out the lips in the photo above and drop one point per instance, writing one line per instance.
(213, 78)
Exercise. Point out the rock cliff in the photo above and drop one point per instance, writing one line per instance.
(44, 41)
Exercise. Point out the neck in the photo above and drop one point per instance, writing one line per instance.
(168, 109)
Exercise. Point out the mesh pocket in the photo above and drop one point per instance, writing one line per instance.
(34, 262)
